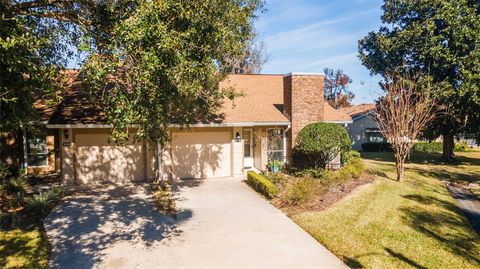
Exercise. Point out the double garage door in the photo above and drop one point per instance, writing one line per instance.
(194, 155)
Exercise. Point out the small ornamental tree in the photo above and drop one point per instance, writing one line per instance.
(322, 142)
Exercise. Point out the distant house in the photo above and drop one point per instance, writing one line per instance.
(363, 128)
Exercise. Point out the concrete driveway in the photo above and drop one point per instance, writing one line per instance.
(222, 224)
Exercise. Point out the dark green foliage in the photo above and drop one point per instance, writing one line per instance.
(262, 185)
(347, 156)
(376, 147)
(167, 59)
(437, 38)
(322, 142)
(14, 185)
(438, 147)
(428, 147)
(40, 204)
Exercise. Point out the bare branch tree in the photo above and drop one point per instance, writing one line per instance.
(404, 112)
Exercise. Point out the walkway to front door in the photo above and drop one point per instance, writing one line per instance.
(222, 224)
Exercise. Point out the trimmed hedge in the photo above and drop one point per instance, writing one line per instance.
(376, 147)
(261, 185)
(428, 147)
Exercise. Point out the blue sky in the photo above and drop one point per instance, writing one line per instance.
(307, 36)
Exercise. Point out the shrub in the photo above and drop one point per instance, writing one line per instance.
(376, 147)
(278, 179)
(347, 156)
(302, 190)
(14, 185)
(262, 185)
(4, 173)
(428, 147)
(461, 146)
(309, 172)
(40, 204)
(321, 142)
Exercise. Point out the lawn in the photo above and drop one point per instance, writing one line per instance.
(409, 224)
(23, 248)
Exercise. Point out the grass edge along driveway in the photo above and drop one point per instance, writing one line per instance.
(387, 224)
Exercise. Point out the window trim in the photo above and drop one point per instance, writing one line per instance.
(30, 137)
(283, 160)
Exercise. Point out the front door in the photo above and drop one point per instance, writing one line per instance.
(247, 148)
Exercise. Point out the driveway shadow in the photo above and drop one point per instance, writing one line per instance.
(96, 218)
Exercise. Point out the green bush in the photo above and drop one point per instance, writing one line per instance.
(14, 185)
(376, 147)
(278, 179)
(40, 204)
(309, 172)
(4, 173)
(319, 143)
(302, 190)
(347, 156)
(461, 147)
(262, 185)
(428, 147)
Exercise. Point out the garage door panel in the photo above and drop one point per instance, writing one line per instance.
(201, 154)
(99, 161)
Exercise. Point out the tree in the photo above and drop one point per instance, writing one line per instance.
(252, 60)
(336, 88)
(321, 142)
(437, 38)
(36, 41)
(404, 113)
(164, 62)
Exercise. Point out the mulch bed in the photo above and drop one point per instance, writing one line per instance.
(332, 196)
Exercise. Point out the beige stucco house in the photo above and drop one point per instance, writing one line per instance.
(76, 144)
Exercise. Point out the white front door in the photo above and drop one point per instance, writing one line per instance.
(247, 148)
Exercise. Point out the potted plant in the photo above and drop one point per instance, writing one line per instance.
(275, 166)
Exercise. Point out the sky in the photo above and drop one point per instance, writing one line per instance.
(307, 36)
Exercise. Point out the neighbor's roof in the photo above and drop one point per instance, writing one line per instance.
(358, 110)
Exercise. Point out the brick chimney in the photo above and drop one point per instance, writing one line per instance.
(303, 103)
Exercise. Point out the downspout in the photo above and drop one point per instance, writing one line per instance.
(159, 163)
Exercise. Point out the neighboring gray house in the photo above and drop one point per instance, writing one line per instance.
(362, 129)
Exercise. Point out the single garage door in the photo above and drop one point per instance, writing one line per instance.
(201, 154)
(99, 161)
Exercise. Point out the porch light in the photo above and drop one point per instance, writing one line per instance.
(65, 133)
(238, 138)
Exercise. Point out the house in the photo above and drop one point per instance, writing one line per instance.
(363, 128)
(75, 142)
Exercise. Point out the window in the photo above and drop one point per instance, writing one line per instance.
(375, 136)
(37, 151)
(275, 145)
(247, 143)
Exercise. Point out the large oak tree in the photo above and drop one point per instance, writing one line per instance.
(439, 38)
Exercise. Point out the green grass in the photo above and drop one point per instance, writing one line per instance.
(409, 224)
(23, 248)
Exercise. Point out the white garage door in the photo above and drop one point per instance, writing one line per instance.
(201, 154)
(99, 161)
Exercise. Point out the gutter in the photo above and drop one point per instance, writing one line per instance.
(198, 125)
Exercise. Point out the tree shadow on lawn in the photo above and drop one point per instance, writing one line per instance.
(85, 224)
(355, 263)
(448, 227)
(421, 158)
(20, 244)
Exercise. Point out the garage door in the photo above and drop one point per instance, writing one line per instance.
(99, 161)
(201, 154)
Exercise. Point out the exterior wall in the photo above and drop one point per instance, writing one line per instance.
(303, 104)
(356, 131)
(236, 153)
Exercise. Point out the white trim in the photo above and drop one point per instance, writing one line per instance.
(198, 125)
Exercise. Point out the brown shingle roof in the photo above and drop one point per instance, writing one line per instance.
(261, 101)
(357, 110)
(332, 114)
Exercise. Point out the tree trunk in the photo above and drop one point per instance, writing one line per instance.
(400, 165)
(448, 147)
